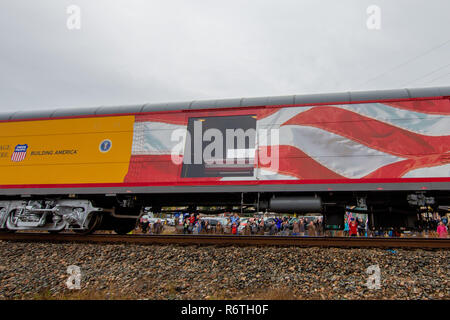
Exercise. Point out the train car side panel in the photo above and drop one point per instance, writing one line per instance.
(397, 142)
(385, 142)
(66, 151)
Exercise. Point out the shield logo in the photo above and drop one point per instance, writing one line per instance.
(20, 152)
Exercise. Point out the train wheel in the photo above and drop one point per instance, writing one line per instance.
(94, 222)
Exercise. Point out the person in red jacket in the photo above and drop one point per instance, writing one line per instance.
(353, 226)
(442, 230)
(234, 228)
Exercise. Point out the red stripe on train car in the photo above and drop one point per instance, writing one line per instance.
(230, 183)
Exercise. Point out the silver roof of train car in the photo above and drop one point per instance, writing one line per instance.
(340, 97)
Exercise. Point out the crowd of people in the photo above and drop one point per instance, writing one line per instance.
(276, 225)
(438, 225)
(358, 226)
(195, 224)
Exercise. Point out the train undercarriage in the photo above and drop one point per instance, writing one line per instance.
(56, 215)
(86, 213)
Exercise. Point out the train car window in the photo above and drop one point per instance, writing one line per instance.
(220, 147)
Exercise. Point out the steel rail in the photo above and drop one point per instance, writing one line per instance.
(225, 240)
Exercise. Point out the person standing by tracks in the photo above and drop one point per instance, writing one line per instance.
(254, 227)
(207, 227)
(192, 221)
(273, 228)
(176, 218)
(235, 219)
(442, 230)
(353, 228)
(247, 230)
(186, 226)
(144, 225)
(157, 227)
(301, 227)
(361, 227)
(285, 227)
(261, 227)
(319, 226)
(202, 225)
(295, 229)
(346, 229)
(278, 221)
(311, 229)
(197, 227)
(179, 227)
(219, 228)
(234, 229)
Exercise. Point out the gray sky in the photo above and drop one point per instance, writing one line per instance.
(136, 51)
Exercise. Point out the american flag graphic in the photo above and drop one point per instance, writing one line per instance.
(354, 141)
(20, 152)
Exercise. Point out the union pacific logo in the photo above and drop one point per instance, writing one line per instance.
(20, 152)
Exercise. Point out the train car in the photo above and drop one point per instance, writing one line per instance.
(384, 152)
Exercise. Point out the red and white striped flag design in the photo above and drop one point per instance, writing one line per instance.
(353, 141)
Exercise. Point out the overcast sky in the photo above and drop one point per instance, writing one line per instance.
(137, 51)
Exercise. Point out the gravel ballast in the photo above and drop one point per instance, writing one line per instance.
(39, 271)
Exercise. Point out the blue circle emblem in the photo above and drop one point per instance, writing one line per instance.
(105, 145)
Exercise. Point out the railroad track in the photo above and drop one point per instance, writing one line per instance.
(233, 240)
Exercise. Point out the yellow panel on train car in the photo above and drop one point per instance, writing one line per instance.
(65, 151)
